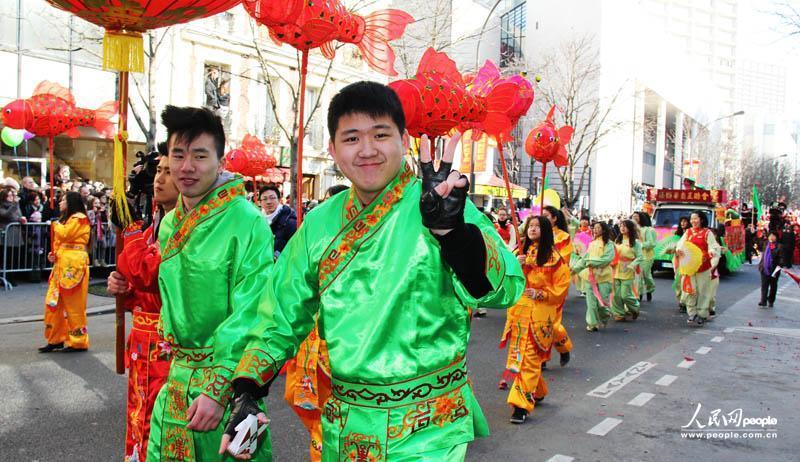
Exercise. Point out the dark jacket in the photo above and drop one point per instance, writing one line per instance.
(283, 227)
(777, 258)
(787, 243)
(10, 213)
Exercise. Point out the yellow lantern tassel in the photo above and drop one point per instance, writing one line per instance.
(120, 201)
(123, 51)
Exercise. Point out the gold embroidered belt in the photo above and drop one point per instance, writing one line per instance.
(402, 393)
(72, 247)
(145, 321)
(193, 357)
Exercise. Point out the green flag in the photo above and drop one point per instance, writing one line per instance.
(756, 205)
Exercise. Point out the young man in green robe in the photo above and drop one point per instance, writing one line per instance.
(216, 254)
(392, 268)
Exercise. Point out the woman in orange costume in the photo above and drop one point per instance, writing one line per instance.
(530, 324)
(563, 245)
(308, 386)
(65, 302)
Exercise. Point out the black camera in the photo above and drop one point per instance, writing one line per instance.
(143, 173)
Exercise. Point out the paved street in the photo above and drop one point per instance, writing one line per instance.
(71, 407)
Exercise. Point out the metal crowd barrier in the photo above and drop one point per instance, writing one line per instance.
(25, 248)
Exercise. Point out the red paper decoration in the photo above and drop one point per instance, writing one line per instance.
(251, 159)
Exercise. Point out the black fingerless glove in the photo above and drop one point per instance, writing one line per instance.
(441, 212)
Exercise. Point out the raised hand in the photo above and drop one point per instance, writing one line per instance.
(444, 192)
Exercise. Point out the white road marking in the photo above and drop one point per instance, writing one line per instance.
(616, 383)
(717, 339)
(641, 399)
(703, 350)
(560, 458)
(778, 331)
(729, 330)
(686, 364)
(605, 426)
(666, 380)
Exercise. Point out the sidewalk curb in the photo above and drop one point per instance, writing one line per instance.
(98, 310)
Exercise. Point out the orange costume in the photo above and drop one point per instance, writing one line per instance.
(65, 302)
(308, 386)
(531, 328)
(148, 356)
(561, 341)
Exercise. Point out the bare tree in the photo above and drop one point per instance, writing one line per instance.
(271, 74)
(788, 13)
(772, 177)
(145, 84)
(570, 82)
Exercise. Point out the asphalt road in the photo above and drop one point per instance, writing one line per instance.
(71, 407)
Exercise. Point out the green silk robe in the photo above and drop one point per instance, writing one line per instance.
(396, 320)
(216, 259)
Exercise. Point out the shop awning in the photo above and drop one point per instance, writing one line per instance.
(491, 185)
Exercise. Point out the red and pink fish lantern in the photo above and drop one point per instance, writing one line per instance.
(437, 100)
(251, 158)
(546, 144)
(307, 24)
(501, 119)
(51, 111)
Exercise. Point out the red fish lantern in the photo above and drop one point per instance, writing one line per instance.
(125, 20)
(436, 100)
(306, 24)
(251, 159)
(51, 111)
(545, 143)
(513, 96)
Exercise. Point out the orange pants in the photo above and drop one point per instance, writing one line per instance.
(66, 322)
(561, 340)
(529, 383)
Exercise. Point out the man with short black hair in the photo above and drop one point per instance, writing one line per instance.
(280, 217)
(391, 268)
(212, 273)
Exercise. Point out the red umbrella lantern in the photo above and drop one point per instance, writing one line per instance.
(307, 24)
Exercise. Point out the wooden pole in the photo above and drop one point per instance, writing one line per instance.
(300, 136)
(119, 308)
(511, 206)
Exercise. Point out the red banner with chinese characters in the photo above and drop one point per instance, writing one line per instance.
(694, 196)
(734, 238)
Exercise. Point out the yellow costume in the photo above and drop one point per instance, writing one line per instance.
(65, 302)
(530, 328)
(626, 280)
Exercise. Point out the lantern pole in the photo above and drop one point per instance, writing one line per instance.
(119, 309)
(511, 206)
(300, 136)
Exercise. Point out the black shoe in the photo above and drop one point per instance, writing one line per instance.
(640, 298)
(682, 308)
(692, 319)
(634, 315)
(649, 296)
(74, 350)
(480, 313)
(762, 303)
(700, 321)
(564, 360)
(519, 416)
(538, 400)
(51, 347)
(544, 365)
(771, 305)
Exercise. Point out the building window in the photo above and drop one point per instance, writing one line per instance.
(512, 35)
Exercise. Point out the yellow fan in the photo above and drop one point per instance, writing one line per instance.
(550, 198)
(692, 258)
